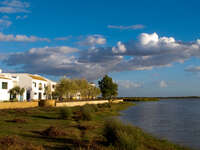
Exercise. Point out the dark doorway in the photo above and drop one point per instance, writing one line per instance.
(40, 96)
(28, 95)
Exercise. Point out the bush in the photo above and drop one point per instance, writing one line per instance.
(86, 112)
(94, 108)
(121, 136)
(105, 105)
(53, 132)
(65, 113)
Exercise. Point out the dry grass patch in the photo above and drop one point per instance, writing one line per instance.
(17, 120)
(53, 132)
(14, 143)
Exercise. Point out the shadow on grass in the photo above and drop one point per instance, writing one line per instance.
(45, 117)
(61, 143)
(64, 143)
(17, 120)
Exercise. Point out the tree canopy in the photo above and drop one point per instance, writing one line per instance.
(108, 88)
(48, 91)
(15, 91)
(69, 88)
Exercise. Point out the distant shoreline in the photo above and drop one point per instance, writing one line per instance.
(157, 98)
(184, 97)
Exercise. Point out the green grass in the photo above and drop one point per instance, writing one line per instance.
(65, 113)
(64, 128)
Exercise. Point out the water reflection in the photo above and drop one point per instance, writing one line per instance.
(175, 120)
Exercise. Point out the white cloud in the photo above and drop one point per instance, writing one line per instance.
(193, 69)
(128, 84)
(21, 17)
(163, 84)
(149, 39)
(14, 6)
(55, 61)
(4, 23)
(148, 52)
(16, 3)
(120, 48)
(132, 27)
(20, 38)
(93, 40)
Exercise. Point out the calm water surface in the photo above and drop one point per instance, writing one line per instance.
(175, 120)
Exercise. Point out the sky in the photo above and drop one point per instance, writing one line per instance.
(149, 48)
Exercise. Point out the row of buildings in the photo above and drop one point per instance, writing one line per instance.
(34, 85)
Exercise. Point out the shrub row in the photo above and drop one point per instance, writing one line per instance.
(86, 112)
(120, 135)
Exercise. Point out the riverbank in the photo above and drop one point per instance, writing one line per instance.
(86, 128)
(138, 99)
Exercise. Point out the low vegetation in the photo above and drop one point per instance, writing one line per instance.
(140, 99)
(127, 137)
(15, 143)
(65, 113)
(86, 112)
(90, 127)
(53, 132)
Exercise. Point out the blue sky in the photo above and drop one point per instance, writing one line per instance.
(150, 48)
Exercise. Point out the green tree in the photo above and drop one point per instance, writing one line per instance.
(48, 91)
(93, 91)
(108, 88)
(69, 88)
(21, 93)
(63, 88)
(83, 86)
(15, 92)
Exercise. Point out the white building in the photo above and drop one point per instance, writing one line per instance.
(5, 85)
(34, 85)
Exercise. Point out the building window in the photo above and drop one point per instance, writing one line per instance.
(35, 93)
(40, 86)
(34, 83)
(53, 86)
(4, 85)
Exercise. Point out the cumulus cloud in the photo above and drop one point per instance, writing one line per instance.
(128, 84)
(120, 48)
(132, 27)
(93, 40)
(20, 38)
(148, 52)
(46, 56)
(14, 6)
(56, 61)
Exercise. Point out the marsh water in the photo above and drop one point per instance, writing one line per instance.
(175, 120)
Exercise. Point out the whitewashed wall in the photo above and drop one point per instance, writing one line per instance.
(36, 91)
(4, 94)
